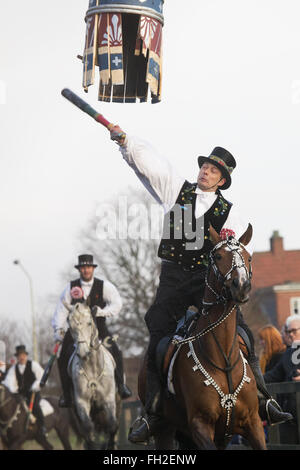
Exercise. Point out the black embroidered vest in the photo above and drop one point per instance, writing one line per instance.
(25, 380)
(96, 294)
(185, 239)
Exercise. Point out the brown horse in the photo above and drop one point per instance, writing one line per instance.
(13, 419)
(215, 390)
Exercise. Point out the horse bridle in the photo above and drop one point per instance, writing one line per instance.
(235, 247)
(88, 341)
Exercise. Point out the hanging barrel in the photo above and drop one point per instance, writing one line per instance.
(124, 39)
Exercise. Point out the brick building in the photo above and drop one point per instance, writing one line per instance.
(275, 285)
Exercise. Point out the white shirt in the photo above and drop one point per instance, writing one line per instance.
(111, 297)
(164, 184)
(11, 382)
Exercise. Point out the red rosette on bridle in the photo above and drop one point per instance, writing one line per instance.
(226, 233)
(77, 293)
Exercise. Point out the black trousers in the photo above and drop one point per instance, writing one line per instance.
(68, 348)
(177, 290)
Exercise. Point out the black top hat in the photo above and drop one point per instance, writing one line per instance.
(223, 160)
(85, 260)
(20, 349)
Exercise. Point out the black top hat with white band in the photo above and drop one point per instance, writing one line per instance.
(85, 260)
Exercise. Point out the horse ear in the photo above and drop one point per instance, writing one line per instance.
(214, 236)
(246, 237)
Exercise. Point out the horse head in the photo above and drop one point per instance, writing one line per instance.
(83, 329)
(231, 264)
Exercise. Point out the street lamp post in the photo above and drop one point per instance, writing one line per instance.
(34, 336)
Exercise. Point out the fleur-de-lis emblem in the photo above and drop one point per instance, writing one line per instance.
(115, 33)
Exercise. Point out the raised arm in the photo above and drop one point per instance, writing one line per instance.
(154, 171)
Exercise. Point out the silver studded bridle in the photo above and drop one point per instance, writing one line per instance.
(238, 261)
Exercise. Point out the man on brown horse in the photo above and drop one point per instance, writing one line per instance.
(184, 249)
(105, 301)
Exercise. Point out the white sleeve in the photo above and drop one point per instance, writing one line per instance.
(239, 226)
(38, 372)
(10, 380)
(60, 316)
(113, 301)
(154, 171)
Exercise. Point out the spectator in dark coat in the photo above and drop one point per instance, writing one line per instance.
(287, 370)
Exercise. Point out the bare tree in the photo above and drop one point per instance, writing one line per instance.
(128, 258)
(12, 333)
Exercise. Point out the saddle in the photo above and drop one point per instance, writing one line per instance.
(165, 349)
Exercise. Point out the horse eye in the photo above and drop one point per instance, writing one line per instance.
(250, 259)
(218, 257)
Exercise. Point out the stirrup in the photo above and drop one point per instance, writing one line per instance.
(276, 405)
(138, 422)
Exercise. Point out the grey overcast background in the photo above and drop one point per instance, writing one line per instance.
(231, 78)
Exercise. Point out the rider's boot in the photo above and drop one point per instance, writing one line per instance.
(65, 400)
(269, 409)
(123, 389)
(40, 420)
(150, 423)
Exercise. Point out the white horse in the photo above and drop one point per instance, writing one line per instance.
(92, 370)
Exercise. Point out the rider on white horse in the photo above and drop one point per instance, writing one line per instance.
(104, 300)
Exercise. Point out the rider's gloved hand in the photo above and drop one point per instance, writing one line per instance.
(59, 335)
